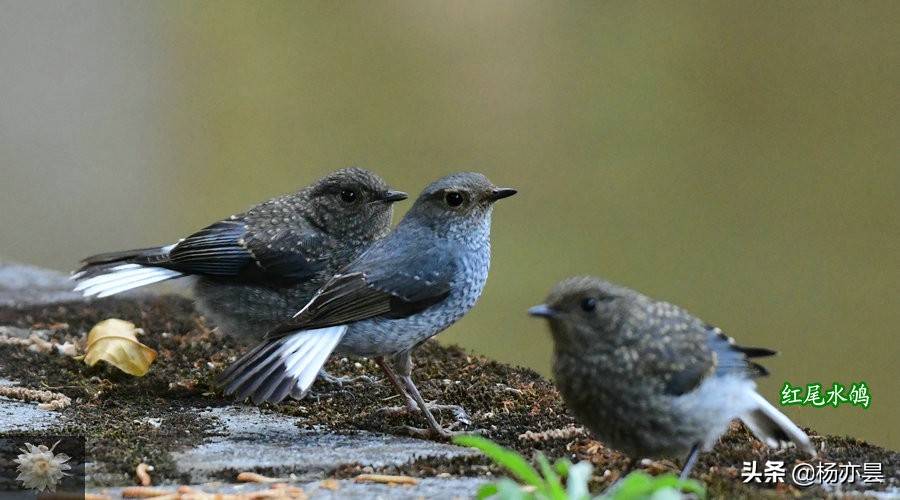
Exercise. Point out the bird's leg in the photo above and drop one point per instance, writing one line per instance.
(434, 427)
(403, 363)
(389, 372)
(690, 461)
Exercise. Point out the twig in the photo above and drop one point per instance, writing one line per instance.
(143, 492)
(385, 479)
(252, 477)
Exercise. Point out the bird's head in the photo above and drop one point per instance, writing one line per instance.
(353, 203)
(457, 203)
(584, 311)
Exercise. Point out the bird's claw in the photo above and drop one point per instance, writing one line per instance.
(434, 431)
(441, 433)
(459, 413)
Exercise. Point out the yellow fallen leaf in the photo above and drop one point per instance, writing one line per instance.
(114, 341)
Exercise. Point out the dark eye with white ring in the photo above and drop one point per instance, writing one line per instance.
(588, 304)
(453, 199)
(349, 195)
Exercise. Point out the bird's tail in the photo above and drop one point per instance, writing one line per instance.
(111, 273)
(774, 428)
(282, 366)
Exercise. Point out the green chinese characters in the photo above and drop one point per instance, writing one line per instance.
(816, 396)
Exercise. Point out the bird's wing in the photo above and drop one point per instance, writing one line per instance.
(734, 359)
(394, 278)
(382, 282)
(693, 352)
(229, 248)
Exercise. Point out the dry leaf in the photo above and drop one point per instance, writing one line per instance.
(114, 341)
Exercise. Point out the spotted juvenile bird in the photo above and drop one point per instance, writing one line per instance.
(253, 268)
(650, 379)
(417, 281)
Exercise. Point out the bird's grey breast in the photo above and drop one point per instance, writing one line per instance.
(472, 261)
(381, 336)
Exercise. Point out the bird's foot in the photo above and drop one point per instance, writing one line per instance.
(459, 413)
(440, 432)
(434, 430)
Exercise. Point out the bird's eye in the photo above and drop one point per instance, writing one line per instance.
(588, 304)
(453, 199)
(348, 195)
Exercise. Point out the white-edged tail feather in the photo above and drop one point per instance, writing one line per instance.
(774, 428)
(284, 366)
(121, 278)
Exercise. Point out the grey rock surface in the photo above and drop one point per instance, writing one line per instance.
(17, 416)
(253, 440)
(451, 487)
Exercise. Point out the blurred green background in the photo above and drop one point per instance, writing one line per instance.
(738, 158)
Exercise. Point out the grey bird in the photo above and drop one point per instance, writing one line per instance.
(411, 285)
(650, 379)
(253, 268)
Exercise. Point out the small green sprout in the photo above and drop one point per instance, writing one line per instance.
(548, 483)
(639, 485)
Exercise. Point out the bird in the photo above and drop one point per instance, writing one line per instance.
(251, 269)
(407, 287)
(648, 378)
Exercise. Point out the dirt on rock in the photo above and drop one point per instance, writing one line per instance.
(119, 414)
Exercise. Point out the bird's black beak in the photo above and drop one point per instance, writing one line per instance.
(542, 311)
(500, 193)
(393, 196)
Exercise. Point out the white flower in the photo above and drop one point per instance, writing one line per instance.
(39, 468)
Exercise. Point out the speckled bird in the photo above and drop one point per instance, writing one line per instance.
(406, 288)
(254, 268)
(650, 379)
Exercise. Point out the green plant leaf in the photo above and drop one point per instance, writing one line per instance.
(632, 487)
(552, 486)
(639, 485)
(562, 466)
(513, 462)
(682, 485)
(577, 481)
(486, 490)
(666, 494)
(507, 489)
